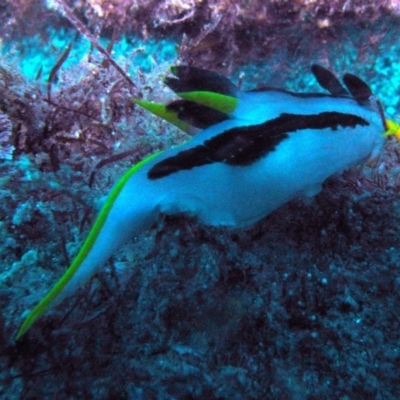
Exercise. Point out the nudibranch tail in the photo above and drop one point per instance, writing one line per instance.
(104, 238)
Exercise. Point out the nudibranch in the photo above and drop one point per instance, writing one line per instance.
(253, 151)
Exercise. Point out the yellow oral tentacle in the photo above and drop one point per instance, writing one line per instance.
(393, 129)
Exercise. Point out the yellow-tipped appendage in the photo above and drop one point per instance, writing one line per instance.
(45, 303)
(217, 101)
(160, 110)
(393, 129)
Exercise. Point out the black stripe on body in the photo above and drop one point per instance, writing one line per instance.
(243, 146)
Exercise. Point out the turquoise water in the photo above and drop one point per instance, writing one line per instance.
(31, 56)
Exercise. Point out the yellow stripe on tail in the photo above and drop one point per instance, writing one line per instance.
(56, 291)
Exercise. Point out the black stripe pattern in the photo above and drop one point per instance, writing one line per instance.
(243, 146)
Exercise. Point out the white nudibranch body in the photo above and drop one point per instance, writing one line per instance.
(255, 152)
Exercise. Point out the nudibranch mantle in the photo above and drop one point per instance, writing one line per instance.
(259, 151)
